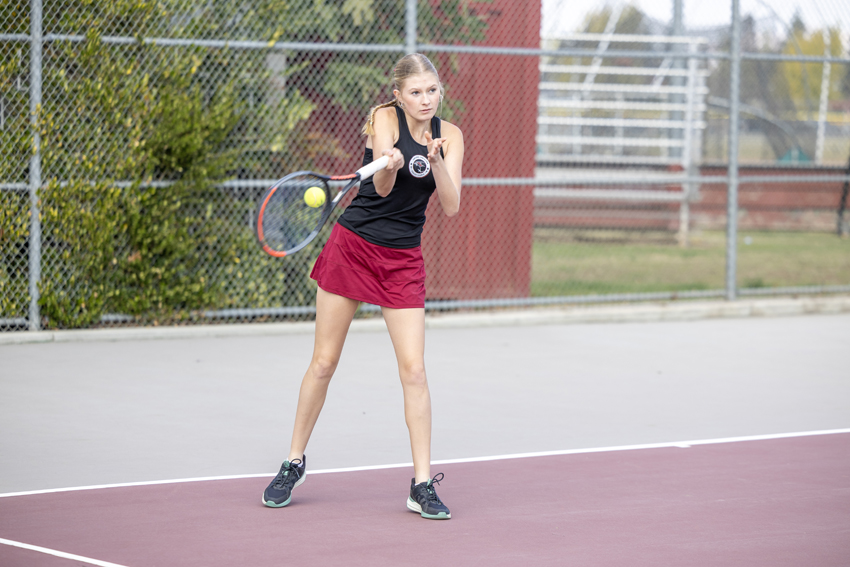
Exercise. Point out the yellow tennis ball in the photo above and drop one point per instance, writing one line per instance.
(314, 197)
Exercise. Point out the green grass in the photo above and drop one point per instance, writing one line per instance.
(578, 262)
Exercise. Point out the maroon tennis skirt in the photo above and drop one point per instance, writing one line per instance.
(352, 267)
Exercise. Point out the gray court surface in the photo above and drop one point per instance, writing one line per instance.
(86, 413)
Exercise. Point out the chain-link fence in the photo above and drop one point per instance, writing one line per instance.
(137, 138)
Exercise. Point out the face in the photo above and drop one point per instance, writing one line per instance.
(420, 95)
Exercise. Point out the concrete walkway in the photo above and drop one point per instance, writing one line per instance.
(617, 313)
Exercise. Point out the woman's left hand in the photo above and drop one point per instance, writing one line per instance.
(434, 145)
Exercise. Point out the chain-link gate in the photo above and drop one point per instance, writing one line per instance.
(143, 134)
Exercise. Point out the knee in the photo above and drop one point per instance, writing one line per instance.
(323, 368)
(413, 375)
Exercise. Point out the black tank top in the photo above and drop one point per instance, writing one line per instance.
(395, 221)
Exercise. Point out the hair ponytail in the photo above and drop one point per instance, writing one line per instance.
(407, 66)
(369, 127)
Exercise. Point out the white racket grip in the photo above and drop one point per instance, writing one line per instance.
(371, 169)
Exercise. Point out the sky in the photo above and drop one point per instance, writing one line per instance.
(568, 15)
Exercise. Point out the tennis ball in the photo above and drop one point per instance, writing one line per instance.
(314, 197)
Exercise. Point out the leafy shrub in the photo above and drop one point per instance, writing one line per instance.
(138, 139)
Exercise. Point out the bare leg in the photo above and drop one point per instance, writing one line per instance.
(407, 331)
(333, 318)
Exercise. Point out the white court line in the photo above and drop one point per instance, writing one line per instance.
(61, 554)
(679, 444)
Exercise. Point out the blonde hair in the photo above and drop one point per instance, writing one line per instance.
(407, 66)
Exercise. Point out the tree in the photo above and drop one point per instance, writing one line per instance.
(804, 79)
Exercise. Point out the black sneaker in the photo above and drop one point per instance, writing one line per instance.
(279, 493)
(423, 499)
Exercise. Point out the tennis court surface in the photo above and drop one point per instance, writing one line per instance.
(723, 442)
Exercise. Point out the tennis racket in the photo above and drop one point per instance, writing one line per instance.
(295, 208)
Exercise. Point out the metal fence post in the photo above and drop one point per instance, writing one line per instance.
(410, 39)
(688, 150)
(35, 165)
(824, 98)
(677, 30)
(734, 126)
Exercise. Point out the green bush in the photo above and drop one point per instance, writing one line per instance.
(137, 140)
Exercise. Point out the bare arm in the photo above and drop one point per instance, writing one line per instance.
(447, 170)
(383, 142)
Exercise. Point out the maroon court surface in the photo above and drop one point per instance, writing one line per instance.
(771, 503)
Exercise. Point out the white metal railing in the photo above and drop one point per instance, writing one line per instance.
(622, 88)
(614, 159)
(628, 71)
(629, 38)
(619, 105)
(641, 115)
(618, 122)
(609, 141)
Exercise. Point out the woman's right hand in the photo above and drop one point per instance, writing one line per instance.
(396, 159)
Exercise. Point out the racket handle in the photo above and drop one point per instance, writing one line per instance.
(371, 169)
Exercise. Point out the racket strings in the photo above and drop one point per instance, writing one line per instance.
(287, 218)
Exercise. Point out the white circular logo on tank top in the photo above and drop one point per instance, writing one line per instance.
(419, 166)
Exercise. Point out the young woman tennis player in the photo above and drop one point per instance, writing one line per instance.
(374, 255)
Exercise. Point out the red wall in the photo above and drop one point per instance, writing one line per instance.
(762, 206)
(774, 206)
(485, 251)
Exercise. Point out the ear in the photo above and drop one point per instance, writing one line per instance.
(396, 93)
